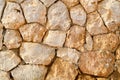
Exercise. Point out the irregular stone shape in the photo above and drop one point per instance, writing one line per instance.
(32, 32)
(75, 37)
(4, 75)
(85, 77)
(62, 70)
(18, 1)
(55, 38)
(12, 39)
(118, 53)
(29, 72)
(115, 76)
(95, 24)
(78, 15)
(58, 17)
(34, 53)
(117, 64)
(68, 54)
(70, 3)
(8, 60)
(1, 35)
(106, 42)
(2, 4)
(12, 17)
(110, 12)
(47, 3)
(98, 63)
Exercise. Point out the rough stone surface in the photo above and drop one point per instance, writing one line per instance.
(32, 32)
(98, 63)
(48, 3)
(118, 53)
(34, 53)
(110, 12)
(18, 1)
(55, 38)
(1, 35)
(2, 4)
(85, 77)
(12, 16)
(8, 60)
(117, 63)
(4, 75)
(29, 72)
(58, 17)
(78, 15)
(12, 39)
(62, 70)
(106, 42)
(34, 11)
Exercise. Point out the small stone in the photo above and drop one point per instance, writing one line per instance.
(97, 63)
(2, 4)
(12, 39)
(110, 12)
(95, 24)
(78, 15)
(12, 16)
(106, 42)
(32, 32)
(55, 38)
(62, 70)
(75, 37)
(8, 60)
(48, 3)
(29, 72)
(1, 35)
(85, 77)
(34, 11)
(118, 53)
(34, 53)
(58, 17)
(4, 75)
(68, 54)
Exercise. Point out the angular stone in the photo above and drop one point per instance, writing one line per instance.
(2, 4)
(1, 35)
(12, 39)
(75, 37)
(110, 12)
(85, 77)
(118, 53)
(58, 17)
(62, 70)
(12, 17)
(106, 42)
(55, 38)
(68, 54)
(34, 11)
(18, 1)
(95, 24)
(29, 72)
(8, 60)
(97, 63)
(78, 15)
(32, 32)
(4, 75)
(34, 53)
(47, 3)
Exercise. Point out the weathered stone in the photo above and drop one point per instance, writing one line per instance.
(2, 4)
(68, 54)
(1, 36)
(32, 32)
(85, 77)
(75, 37)
(12, 17)
(34, 11)
(55, 38)
(18, 1)
(34, 53)
(78, 15)
(98, 63)
(47, 3)
(62, 70)
(110, 12)
(117, 64)
(95, 24)
(8, 60)
(114, 76)
(12, 39)
(29, 72)
(118, 53)
(106, 42)
(58, 17)
(4, 75)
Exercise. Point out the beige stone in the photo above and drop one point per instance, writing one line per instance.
(18, 1)
(12, 39)
(102, 79)
(55, 38)
(1, 35)
(62, 70)
(78, 15)
(95, 24)
(110, 12)
(8, 60)
(2, 4)
(85, 77)
(118, 53)
(32, 32)
(34, 53)
(58, 17)
(29, 72)
(12, 17)
(117, 64)
(4, 75)
(34, 11)
(75, 37)
(114, 76)
(97, 63)
(106, 42)
(48, 3)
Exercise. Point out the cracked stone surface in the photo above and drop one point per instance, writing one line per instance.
(48, 3)
(4, 75)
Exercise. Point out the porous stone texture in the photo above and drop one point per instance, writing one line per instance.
(2, 4)
(4, 75)
(48, 3)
